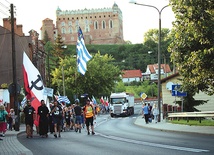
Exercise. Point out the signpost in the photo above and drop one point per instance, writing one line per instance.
(176, 92)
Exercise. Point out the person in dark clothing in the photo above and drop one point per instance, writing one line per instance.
(150, 113)
(78, 120)
(29, 112)
(43, 119)
(56, 111)
(50, 121)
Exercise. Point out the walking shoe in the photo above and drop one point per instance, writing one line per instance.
(1, 139)
(76, 129)
(88, 133)
(59, 135)
(79, 130)
(93, 133)
(55, 135)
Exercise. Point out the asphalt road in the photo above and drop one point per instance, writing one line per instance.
(119, 136)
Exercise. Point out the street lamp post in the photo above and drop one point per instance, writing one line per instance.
(159, 51)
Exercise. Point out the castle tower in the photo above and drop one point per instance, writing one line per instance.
(49, 27)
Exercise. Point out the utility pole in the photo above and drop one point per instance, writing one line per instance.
(14, 85)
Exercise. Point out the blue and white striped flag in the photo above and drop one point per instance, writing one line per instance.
(64, 99)
(23, 102)
(94, 100)
(83, 56)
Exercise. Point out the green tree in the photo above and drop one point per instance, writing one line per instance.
(99, 79)
(49, 62)
(151, 43)
(58, 48)
(46, 37)
(193, 44)
(120, 87)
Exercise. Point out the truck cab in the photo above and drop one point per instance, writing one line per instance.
(121, 104)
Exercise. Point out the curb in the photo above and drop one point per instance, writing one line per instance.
(140, 124)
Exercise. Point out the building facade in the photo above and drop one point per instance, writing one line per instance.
(170, 100)
(131, 75)
(99, 26)
(31, 45)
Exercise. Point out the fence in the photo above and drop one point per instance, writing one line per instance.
(188, 115)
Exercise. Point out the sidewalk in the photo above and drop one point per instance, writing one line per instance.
(166, 126)
(10, 144)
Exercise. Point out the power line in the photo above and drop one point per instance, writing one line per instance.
(4, 6)
(7, 2)
(4, 13)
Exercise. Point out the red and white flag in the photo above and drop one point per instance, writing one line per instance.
(33, 83)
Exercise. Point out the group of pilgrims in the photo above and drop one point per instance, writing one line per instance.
(58, 118)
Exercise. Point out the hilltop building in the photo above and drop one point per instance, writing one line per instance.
(99, 26)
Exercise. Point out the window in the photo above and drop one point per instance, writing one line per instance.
(103, 24)
(62, 23)
(69, 23)
(111, 24)
(77, 22)
(70, 30)
(87, 28)
(96, 25)
(63, 30)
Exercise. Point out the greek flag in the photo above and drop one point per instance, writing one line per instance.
(64, 99)
(23, 102)
(83, 56)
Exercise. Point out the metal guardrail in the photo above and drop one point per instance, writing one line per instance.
(191, 114)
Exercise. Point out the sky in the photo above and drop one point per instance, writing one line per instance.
(137, 19)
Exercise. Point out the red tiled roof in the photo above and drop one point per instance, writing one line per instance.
(166, 68)
(131, 73)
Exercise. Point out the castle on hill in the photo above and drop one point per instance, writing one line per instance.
(99, 26)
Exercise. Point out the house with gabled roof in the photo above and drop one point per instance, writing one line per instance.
(131, 75)
(152, 72)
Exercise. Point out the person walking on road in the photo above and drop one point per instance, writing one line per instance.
(146, 113)
(155, 112)
(78, 118)
(29, 112)
(43, 113)
(56, 111)
(3, 122)
(89, 115)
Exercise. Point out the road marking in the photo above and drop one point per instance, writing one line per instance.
(153, 144)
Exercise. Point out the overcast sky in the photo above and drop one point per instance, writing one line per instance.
(136, 19)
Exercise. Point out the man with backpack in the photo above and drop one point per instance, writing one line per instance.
(89, 115)
(78, 119)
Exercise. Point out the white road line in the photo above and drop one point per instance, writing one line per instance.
(153, 144)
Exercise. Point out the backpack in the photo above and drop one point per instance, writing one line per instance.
(2, 117)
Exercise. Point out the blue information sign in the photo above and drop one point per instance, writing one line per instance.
(175, 91)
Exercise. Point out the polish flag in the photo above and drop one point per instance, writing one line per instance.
(33, 83)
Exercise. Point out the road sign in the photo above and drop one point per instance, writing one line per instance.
(143, 96)
(176, 92)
